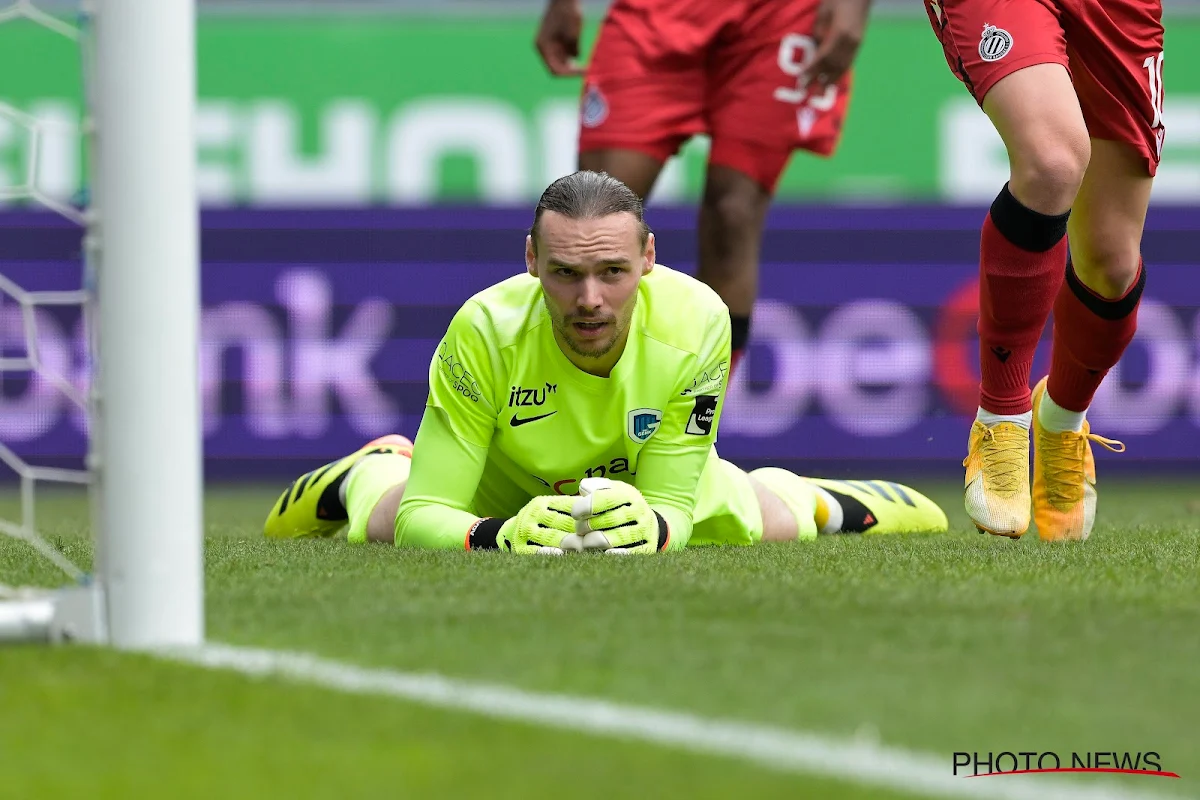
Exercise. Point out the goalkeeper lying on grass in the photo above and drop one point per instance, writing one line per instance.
(597, 364)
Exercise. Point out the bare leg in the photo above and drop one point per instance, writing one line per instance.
(779, 523)
(732, 215)
(381, 527)
(633, 168)
(1110, 212)
(1036, 112)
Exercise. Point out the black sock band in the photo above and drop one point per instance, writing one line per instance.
(1102, 307)
(1024, 227)
(739, 330)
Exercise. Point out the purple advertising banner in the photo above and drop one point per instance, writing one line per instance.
(318, 328)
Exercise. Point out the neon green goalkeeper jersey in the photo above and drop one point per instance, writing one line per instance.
(510, 417)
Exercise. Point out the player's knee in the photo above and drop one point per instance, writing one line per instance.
(734, 212)
(730, 208)
(1036, 112)
(1106, 258)
(1047, 174)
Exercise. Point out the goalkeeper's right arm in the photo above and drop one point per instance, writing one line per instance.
(452, 444)
(445, 473)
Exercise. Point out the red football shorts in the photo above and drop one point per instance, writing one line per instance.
(1112, 48)
(665, 70)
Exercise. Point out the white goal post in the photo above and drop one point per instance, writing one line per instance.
(143, 239)
(147, 421)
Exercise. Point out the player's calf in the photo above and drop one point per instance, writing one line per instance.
(1095, 312)
(732, 214)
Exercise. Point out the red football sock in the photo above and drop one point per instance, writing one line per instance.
(1021, 258)
(734, 358)
(1090, 334)
(739, 325)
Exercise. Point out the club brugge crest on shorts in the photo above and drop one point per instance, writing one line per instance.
(643, 422)
(595, 108)
(995, 43)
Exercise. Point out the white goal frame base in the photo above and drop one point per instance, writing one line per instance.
(73, 614)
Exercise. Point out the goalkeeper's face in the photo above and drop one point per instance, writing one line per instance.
(590, 270)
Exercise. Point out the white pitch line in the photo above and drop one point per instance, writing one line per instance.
(778, 749)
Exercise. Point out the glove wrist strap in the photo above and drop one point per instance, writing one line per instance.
(482, 535)
(664, 532)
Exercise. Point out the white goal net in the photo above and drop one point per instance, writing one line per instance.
(138, 298)
(28, 613)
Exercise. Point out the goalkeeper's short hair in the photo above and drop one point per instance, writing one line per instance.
(589, 195)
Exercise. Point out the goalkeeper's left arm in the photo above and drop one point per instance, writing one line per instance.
(670, 464)
(655, 513)
(668, 474)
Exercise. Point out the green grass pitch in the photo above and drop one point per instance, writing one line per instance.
(939, 644)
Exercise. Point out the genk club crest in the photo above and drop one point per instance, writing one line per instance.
(643, 422)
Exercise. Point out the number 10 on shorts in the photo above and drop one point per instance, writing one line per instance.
(1154, 72)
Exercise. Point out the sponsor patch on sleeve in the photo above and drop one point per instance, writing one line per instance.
(457, 376)
(710, 380)
(703, 413)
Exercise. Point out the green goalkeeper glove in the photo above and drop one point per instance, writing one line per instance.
(539, 527)
(614, 517)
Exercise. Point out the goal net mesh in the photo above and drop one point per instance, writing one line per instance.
(23, 360)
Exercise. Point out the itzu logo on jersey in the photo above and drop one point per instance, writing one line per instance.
(519, 396)
(643, 422)
(995, 43)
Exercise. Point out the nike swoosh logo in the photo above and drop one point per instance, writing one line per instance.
(517, 421)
